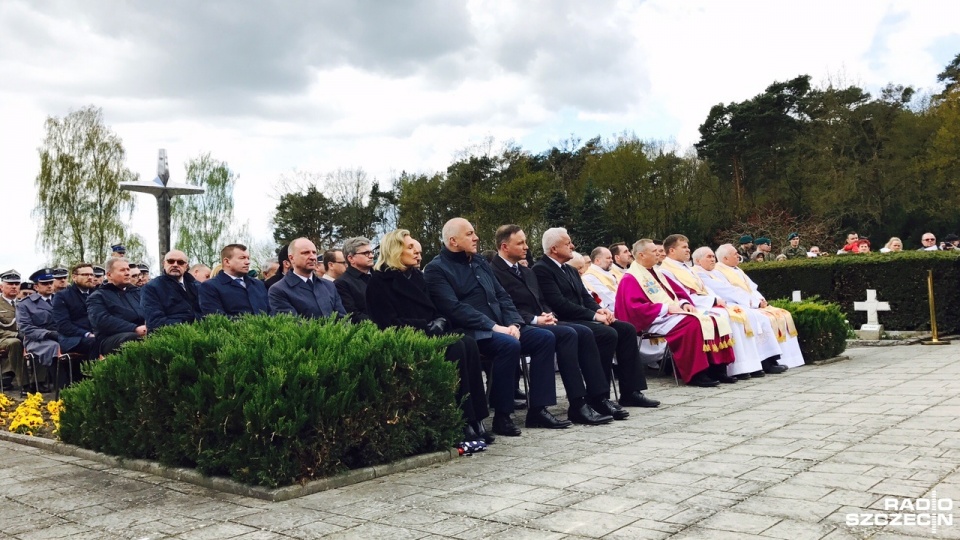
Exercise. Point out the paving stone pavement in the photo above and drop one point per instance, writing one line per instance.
(787, 456)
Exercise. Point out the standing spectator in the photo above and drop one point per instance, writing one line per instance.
(851, 245)
(814, 251)
(763, 247)
(950, 241)
(173, 297)
(894, 244)
(745, 249)
(863, 245)
(794, 250)
(352, 284)
(929, 241)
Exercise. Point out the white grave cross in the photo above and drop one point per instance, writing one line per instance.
(871, 306)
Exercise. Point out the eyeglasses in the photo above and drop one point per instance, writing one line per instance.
(929, 239)
(177, 261)
(368, 253)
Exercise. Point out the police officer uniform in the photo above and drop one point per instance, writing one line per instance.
(37, 324)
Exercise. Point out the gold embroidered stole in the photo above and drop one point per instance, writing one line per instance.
(604, 278)
(779, 317)
(736, 312)
(688, 279)
(663, 295)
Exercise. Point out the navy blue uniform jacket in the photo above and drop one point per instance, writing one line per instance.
(70, 312)
(222, 294)
(466, 292)
(318, 298)
(165, 302)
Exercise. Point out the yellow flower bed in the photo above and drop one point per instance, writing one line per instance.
(27, 418)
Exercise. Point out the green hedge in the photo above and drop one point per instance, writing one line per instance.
(821, 327)
(268, 400)
(899, 278)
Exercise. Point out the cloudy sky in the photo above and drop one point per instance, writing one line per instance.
(404, 85)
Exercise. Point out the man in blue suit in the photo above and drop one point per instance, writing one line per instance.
(300, 291)
(232, 292)
(173, 297)
(70, 312)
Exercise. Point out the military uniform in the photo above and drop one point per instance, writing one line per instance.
(798, 252)
(12, 359)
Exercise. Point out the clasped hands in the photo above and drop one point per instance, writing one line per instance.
(605, 316)
(684, 308)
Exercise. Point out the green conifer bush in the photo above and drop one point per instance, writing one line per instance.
(268, 400)
(821, 326)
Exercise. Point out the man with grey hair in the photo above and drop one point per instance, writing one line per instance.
(352, 284)
(465, 290)
(200, 272)
(741, 290)
(564, 291)
(114, 309)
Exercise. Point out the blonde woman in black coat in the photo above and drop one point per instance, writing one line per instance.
(397, 296)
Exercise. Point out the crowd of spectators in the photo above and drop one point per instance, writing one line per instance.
(752, 249)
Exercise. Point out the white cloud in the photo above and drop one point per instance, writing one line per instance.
(391, 87)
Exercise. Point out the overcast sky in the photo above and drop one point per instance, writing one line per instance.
(404, 85)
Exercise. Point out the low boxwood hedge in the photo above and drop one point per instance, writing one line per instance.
(821, 326)
(268, 400)
(899, 278)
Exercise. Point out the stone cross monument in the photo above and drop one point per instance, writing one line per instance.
(873, 329)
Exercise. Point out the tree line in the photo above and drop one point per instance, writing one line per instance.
(821, 160)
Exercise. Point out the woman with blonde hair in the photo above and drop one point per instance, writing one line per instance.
(397, 296)
(893, 244)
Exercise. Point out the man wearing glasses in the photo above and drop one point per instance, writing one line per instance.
(352, 284)
(70, 312)
(929, 242)
(334, 263)
(173, 297)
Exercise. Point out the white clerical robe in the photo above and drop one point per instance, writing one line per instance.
(604, 284)
(747, 358)
(790, 354)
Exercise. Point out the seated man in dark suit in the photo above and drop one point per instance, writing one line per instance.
(465, 291)
(301, 292)
(232, 292)
(564, 292)
(114, 308)
(577, 356)
(352, 284)
(173, 297)
(70, 312)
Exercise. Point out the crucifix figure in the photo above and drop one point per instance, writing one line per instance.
(161, 188)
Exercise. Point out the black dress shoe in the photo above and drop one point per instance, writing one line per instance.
(758, 374)
(703, 381)
(726, 379)
(584, 414)
(542, 418)
(470, 434)
(503, 425)
(637, 399)
(743, 377)
(775, 369)
(607, 407)
(519, 404)
(519, 394)
(482, 432)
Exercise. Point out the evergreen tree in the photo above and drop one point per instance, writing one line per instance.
(590, 227)
(558, 212)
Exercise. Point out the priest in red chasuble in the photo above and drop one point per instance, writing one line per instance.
(651, 302)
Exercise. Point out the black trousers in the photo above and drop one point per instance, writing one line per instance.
(110, 344)
(620, 338)
(578, 361)
(471, 394)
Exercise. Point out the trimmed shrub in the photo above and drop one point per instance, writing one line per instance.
(268, 400)
(821, 326)
(899, 278)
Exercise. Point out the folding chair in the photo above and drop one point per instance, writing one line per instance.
(30, 364)
(666, 358)
(59, 359)
(487, 364)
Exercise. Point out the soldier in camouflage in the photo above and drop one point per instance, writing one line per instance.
(794, 250)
